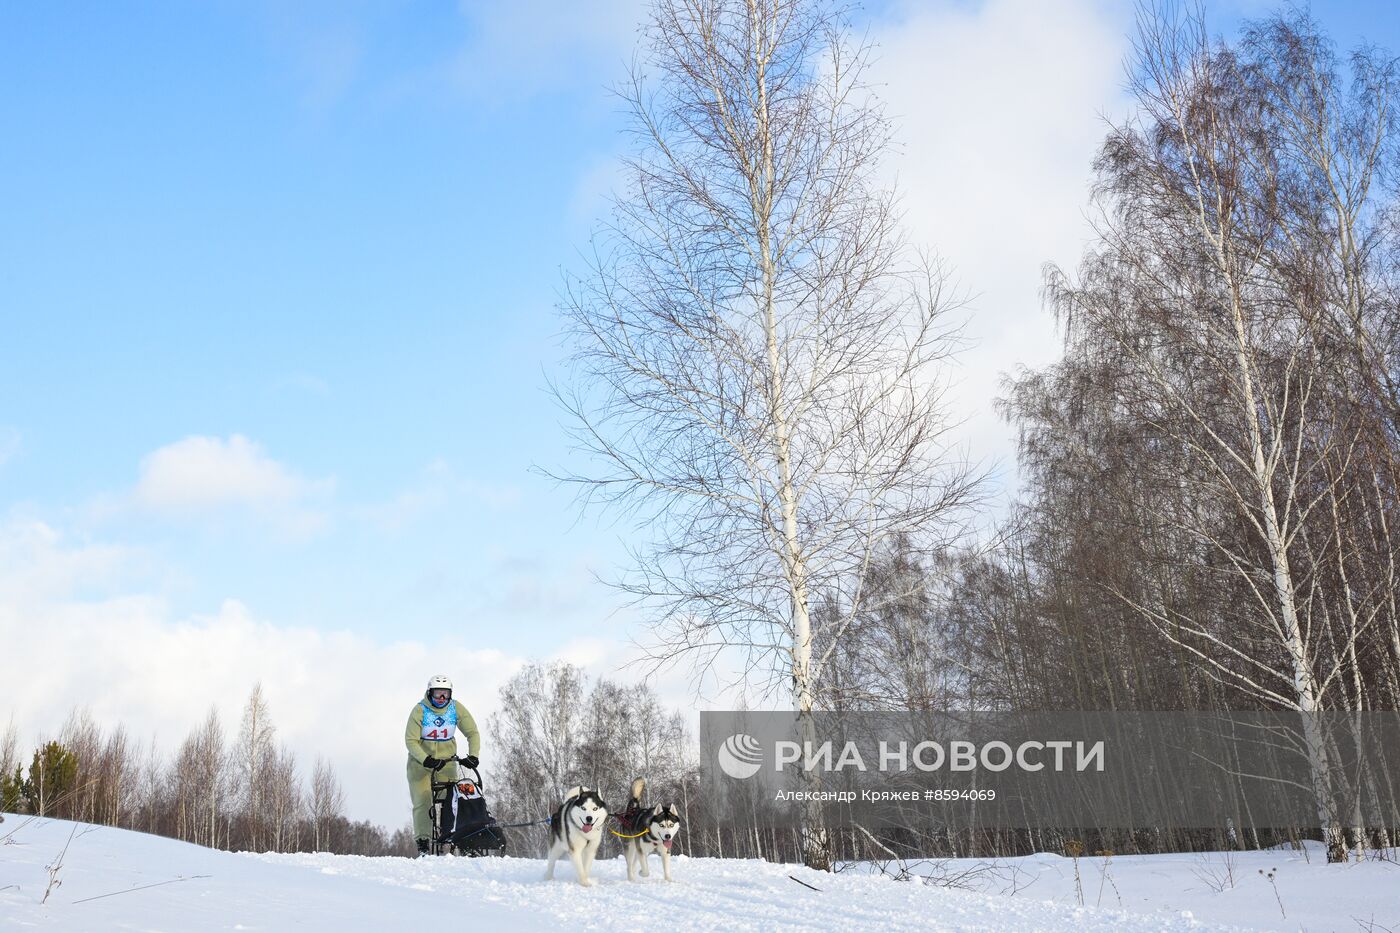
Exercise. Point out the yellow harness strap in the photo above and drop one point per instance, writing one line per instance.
(633, 836)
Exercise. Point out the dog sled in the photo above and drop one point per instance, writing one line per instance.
(462, 823)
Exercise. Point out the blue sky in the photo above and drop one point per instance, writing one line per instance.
(277, 288)
(315, 232)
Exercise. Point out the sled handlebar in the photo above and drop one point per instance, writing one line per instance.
(475, 773)
(442, 763)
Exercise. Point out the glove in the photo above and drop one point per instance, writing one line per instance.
(432, 764)
(471, 761)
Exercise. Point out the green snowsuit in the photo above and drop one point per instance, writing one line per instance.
(420, 779)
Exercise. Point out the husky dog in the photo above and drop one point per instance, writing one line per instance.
(575, 830)
(657, 825)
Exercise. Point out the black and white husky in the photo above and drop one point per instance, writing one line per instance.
(575, 830)
(657, 826)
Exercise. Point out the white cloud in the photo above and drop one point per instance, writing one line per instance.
(998, 112)
(205, 479)
(203, 472)
(39, 565)
(521, 47)
(332, 693)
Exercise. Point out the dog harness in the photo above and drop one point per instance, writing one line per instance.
(629, 819)
(439, 725)
(631, 836)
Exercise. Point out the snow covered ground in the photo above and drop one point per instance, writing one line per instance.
(1275, 890)
(102, 873)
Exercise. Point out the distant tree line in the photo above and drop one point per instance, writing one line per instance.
(246, 793)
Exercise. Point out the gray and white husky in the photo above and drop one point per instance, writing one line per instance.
(575, 830)
(661, 824)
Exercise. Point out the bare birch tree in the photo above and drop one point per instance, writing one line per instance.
(150, 787)
(82, 737)
(757, 353)
(535, 735)
(1336, 143)
(10, 780)
(326, 803)
(283, 800)
(196, 783)
(253, 755)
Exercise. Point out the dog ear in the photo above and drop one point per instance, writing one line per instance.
(654, 811)
(671, 809)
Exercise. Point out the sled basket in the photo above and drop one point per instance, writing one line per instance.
(464, 821)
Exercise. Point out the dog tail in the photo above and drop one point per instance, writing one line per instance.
(574, 792)
(638, 786)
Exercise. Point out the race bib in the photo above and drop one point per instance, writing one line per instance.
(439, 725)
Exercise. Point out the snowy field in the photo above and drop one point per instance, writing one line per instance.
(1274, 890)
(101, 877)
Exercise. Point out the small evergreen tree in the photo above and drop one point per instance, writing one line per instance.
(12, 791)
(53, 774)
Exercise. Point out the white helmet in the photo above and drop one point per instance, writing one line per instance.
(438, 682)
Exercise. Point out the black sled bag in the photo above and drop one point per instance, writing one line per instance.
(466, 820)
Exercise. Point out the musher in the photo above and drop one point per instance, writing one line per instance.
(431, 737)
